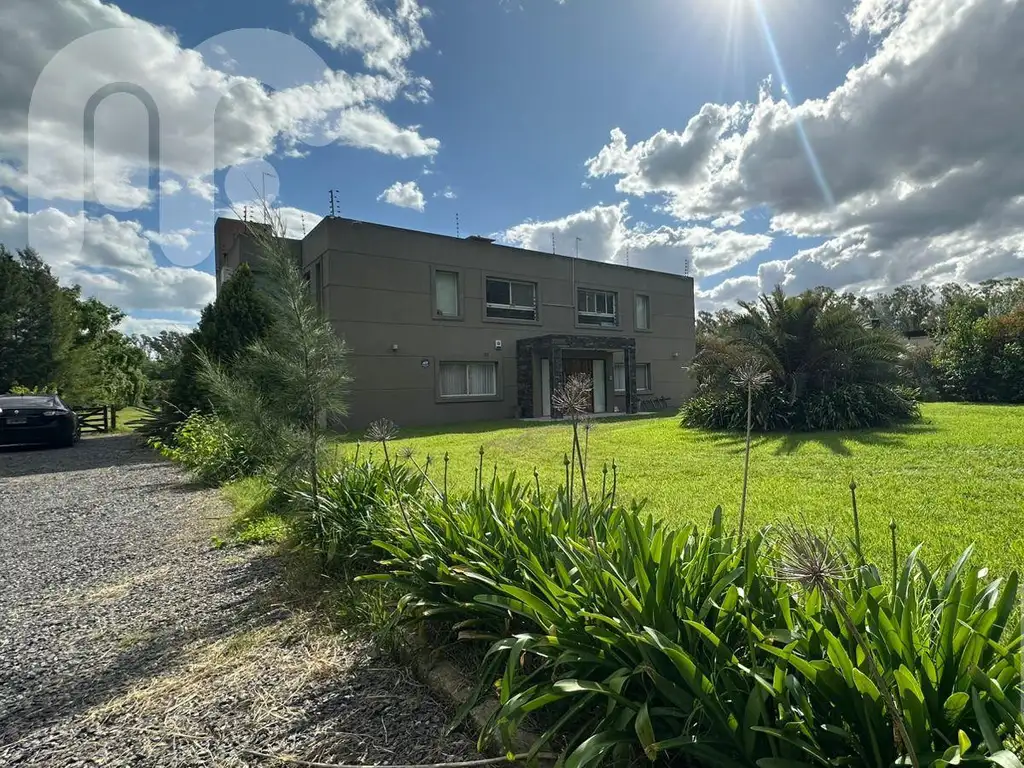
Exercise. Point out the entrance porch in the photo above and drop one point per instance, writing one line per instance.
(544, 362)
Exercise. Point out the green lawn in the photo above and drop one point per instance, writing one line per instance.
(955, 479)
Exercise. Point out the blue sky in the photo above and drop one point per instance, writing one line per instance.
(668, 132)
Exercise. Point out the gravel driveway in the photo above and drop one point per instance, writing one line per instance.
(126, 640)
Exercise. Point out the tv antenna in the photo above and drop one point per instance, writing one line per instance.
(686, 267)
(578, 241)
(302, 218)
(458, 231)
(552, 243)
(335, 202)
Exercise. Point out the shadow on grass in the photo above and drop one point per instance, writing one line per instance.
(838, 443)
(480, 427)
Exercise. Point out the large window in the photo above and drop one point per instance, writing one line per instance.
(446, 293)
(511, 299)
(643, 312)
(597, 308)
(643, 377)
(469, 380)
(620, 377)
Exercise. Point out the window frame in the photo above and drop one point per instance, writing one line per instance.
(650, 375)
(454, 399)
(504, 278)
(596, 289)
(615, 369)
(636, 325)
(460, 291)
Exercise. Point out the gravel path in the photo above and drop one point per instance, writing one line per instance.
(126, 640)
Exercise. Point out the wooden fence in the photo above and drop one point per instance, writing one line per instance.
(100, 419)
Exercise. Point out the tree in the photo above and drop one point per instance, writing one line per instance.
(826, 367)
(281, 393)
(982, 358)
(238, 316)
(38, 325)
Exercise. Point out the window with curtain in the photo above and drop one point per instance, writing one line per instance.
(620, 377)
(643, 377)
(643, 312)
(469, 379)
(446, 293)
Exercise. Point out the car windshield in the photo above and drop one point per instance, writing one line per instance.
(28, 401)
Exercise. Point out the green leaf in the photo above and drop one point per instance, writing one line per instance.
(645, 732)
(593, 749)
(1006, 759)
(988, 732)
(954, 707)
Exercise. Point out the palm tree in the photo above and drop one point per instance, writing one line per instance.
(827, 368)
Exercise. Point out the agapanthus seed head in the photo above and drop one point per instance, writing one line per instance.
(750, 375)
(810, 560)
(382, 430)
(572, 399)
(405, 453)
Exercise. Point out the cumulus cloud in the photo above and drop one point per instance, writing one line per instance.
(151, 326)
(404, 194)
(115, 264)
(606, 234)
(75, 49)
(385, 39)
(920, 155)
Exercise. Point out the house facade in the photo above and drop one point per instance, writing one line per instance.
(443, 330)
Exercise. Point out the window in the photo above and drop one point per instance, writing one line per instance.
(643, 312)
(446, 293)
(511, 299)
(643, 377)
(597, 308)
(469, 380)
(620, 377)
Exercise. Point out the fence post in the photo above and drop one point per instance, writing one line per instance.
(106, 423)
(113, 419)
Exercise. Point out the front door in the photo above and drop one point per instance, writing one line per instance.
(585, 366)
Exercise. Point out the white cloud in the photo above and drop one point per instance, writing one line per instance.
(297, 223)
(53, 38)
(369, 128)
(919, 148)
(151, 326)
(447, 193)
(605, 234)
(384, 39)
(404, 194)
(115, 264)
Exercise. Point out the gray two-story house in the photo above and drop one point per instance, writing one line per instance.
(444, 329)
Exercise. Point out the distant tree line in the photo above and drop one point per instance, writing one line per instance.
(958, 342)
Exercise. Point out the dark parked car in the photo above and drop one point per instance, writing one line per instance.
(29, 419)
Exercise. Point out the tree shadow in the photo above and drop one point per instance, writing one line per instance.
(838, 443)
(116, 450)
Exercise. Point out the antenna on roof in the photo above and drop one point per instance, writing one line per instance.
(686, 267)
(458, 232)
(245, 213)
(302, 218)
(627, 255)
(335, 202)
(552, 243)
(578, 240)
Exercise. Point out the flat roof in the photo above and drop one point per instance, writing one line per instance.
(478, 239)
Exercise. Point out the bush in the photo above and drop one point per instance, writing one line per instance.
(982, 360)
(639, 639)
(354, 506)
(823, 367)
(211, 450)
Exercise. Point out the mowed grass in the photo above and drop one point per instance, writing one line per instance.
(954, 479)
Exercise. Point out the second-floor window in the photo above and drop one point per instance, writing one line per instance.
(643, 312)
(446, 293)
(597, 308)
(511, 299)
